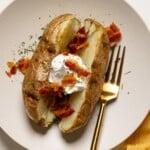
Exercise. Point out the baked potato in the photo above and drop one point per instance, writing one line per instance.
(59, 38)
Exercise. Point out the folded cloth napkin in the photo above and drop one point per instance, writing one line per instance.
(140, 139)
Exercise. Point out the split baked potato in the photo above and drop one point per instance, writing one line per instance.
(94, 52)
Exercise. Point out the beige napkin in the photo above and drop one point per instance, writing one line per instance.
(140, 139)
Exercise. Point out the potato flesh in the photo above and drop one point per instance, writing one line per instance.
(89, 53)
(76, 101)
(67, 29)
(45, 113)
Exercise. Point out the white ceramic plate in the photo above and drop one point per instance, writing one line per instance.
(25, 18)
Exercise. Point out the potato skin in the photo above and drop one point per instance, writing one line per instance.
(39, 68)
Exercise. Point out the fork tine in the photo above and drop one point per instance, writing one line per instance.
(115, 66)
(109, 66)
(121, 66)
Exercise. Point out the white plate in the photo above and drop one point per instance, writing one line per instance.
(24, 18)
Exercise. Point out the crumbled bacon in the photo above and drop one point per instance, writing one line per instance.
(51, 89)
(114, 34)
(20, 65)
(59, 104)
(12, 68)
(12, 71)
(65, 53)
(23, 64)
(64, 111)
(45, 91)
(79, 41)
(10, 64)
(69, 80)
(8, 73)
(74, 66)
(61, 108)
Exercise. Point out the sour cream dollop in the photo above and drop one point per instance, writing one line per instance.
(58, 70)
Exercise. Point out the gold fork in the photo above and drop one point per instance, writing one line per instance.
(110, 90)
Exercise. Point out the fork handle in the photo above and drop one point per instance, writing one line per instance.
(98, 126)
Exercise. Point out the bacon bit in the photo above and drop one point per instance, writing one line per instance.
(51, 89)
(8, 73)
(71, 80)
(23, 64)
(61, 108)
(12, 69)
(58, 89)
(64, 112)
(59, 104)
(82, 45)
(11, 72)
(114, 34)
(65, 53)
(79, 41)
(10, 64)
(20, 65)
(73, 65)
(82, 30)
(75, 47)
(45, 91)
